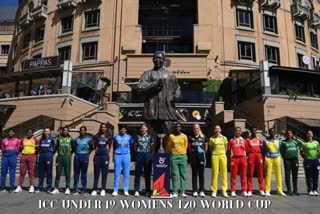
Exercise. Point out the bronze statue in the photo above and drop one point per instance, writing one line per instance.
(161, 89)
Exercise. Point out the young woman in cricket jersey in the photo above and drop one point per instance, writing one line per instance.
(29, 148)
(63, 161)
(101, 143)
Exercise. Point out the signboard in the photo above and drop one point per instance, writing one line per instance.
(161, 175)
(40, 63)
(184, 114)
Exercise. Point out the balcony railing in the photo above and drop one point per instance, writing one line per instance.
(245, 1)
(40, 12)
(300, 12)
(270, 4)
(25, 20)
(68, 3)
(314, 21)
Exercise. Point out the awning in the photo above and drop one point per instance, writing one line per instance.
(279, 69)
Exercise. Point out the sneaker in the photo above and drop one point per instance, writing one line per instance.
(67, 192)
(267, 194)
(296, 193)
(183, 195)
(126, 193)
(31, 189)
(311, 193)
(214, 194)
(282, 194)
(195, 194)
(49, 190)
(2, 189)
(103, 193)
(245, 194)
(290, 193)
(115, 194)
(262, 193)
(174, 195)
(136, 194)
(249, 194)
(233, 194)
(18, 189)
(202, 194)
(83, 193)
(55, 191)
(315, 193)
(94, 193)
(225, 195)
(37, 190)
(148, 194)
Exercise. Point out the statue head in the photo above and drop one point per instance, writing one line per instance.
(159, 59)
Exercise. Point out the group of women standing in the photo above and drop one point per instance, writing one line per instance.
(246, 157)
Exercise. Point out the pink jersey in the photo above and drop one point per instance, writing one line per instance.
(10, 147)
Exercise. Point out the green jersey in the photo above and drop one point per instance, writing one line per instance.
(289, 149)
(64, 145)
(310, 149)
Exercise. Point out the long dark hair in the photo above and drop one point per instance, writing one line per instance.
(43, 136)
(63, 128)
(100, 132)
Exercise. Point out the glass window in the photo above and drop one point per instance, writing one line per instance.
(67, 24)
(245, 18)
(92, 18)
(270, 24)
(300, 33)
(5, 49)
(64, 54)
(89, 51)
(39, 34)
(246, 51)
(300, 61)
(314, 39)
(272, 54)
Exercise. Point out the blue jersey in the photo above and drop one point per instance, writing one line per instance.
(122, 144)
(47, 145)
(271, 147)
(82, 145)
(100, 144)
(144, 143)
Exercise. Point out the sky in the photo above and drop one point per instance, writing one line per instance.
(8, 2)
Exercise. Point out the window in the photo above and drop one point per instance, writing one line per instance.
(5, 49)
(245, 18)
(89, 51)
(92, 18)
(64, 54)
(315, 63)
(26, 41)
(39, 34)
(270, 24)
(37, 56)
(300, 61)
(300, 33)
(3, 70)
(67, 24)
(272, 54)
(314, 39)
(246, 51)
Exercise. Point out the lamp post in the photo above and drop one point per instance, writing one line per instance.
(67, 77)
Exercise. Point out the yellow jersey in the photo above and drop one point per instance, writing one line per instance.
(218, 145)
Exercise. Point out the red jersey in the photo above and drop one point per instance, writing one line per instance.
(254, 145)
(237, 147)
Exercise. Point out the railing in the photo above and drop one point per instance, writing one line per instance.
(41, 10)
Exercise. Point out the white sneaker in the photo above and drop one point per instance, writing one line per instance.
(195, 194)
(31, 189)
(183, 195)
(315, 193)
(233, 194)
(103, 193)
(262, 193)
(115, 194)
(55, 191)
(225, 195)
(136, 194)
(282, 194)
(249, 194)
(126, 193)
(94, 193)
(214, 194)
(202, 194)
(245, 194)
(18, 189)
(67, 192)
(175, 195)
(311, 193)
(268, 194)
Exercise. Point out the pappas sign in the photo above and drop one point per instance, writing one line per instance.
(39, 63)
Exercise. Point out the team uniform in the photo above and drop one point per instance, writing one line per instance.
(47, 147)
(218, 147)
(82, 147)
(271, 152)
(198, 161)
(310, 151)
(238, 161)
(143, 161)
(255, 162)
(122, 145)
(10, 150)
(177, 146)
(289, 152)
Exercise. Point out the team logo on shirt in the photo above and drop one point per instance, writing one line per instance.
(161, 164)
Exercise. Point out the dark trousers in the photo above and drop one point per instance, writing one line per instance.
(80, 165)
(101, 165)
(143, 161)
(63, 162)
(8, 163)
(197, 166)
(312, 174)
(291, 166)
(45, 170)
